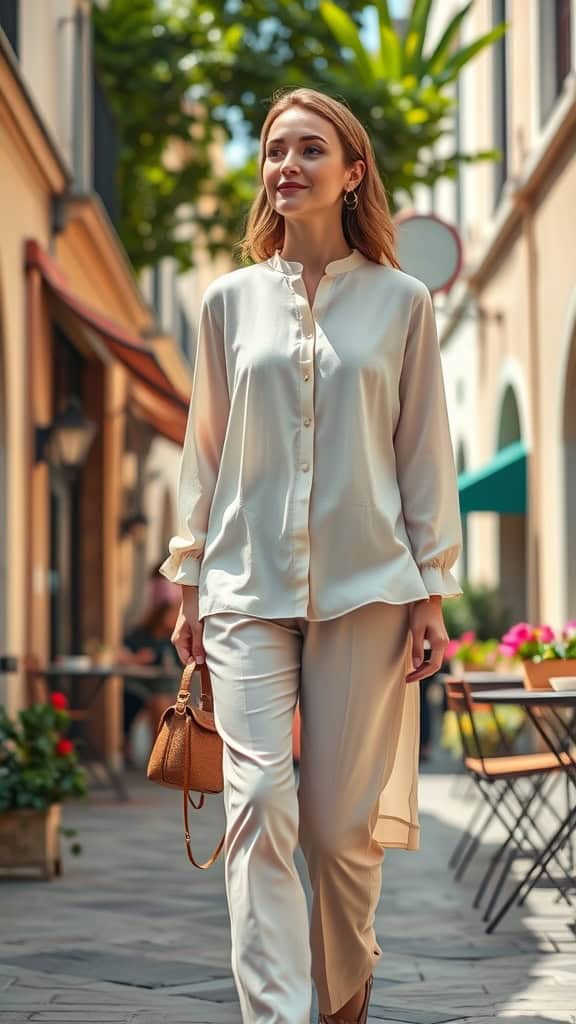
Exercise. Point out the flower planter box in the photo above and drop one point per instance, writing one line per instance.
(30, 841)
(471, 666)
(537, 674)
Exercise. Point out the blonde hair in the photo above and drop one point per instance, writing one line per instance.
(368, 228)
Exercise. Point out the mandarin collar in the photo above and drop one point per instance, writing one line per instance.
(293, 268)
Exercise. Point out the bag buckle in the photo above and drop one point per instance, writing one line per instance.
(181, 701)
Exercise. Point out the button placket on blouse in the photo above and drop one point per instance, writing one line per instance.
(304, 470)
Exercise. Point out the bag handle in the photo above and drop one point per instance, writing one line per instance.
(206, 702)
(206, 695)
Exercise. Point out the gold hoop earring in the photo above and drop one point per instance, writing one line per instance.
(353, 203)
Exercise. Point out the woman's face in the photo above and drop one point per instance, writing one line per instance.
(304, 171)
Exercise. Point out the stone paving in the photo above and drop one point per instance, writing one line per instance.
(131, 934)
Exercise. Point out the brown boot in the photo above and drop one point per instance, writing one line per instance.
(330, 1018)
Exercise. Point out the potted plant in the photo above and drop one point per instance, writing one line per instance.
(469, 654)
(542, 652)
(38, 770)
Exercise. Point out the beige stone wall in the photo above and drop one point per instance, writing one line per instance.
(520, 273)
(555, 244)
(24, 212)
(47, 43)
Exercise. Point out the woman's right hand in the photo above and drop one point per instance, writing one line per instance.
(187, 633)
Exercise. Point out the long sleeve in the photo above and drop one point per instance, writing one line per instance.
(424, 458)
(200, 459)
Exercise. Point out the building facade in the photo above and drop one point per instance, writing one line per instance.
(508, 327)
(90, 383)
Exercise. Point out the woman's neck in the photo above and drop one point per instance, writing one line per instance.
(314, 245)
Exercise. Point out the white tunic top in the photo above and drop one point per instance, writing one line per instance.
(317, 473)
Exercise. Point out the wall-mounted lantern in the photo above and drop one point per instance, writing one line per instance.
(66, 442)
(134, 527)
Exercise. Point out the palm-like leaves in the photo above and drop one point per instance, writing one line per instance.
(401, 91)
(399, 57)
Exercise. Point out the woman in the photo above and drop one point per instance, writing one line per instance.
(148, 643)
(318, 526)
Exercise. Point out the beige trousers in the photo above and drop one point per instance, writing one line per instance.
(357, 793)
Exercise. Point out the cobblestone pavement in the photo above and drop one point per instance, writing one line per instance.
(130, 934)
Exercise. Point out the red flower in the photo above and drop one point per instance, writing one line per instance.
(64, 747)
(59, 701)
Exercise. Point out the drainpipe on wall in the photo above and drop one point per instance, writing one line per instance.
(79, 107)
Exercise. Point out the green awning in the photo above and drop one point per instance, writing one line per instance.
(499, 486)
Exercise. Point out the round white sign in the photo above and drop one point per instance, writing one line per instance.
(429, 248)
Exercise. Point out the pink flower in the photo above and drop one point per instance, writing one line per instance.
(521, 633)
(468, 638)
(508, 650)
(545, 634)
(452, 648)
(570, 628)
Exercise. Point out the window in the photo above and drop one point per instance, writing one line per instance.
(555, 51)
(105, 150)
(500, 100)
(9, 22)
(461, 468)
(184, 332)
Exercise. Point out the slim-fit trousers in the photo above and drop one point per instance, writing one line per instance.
(349, 675)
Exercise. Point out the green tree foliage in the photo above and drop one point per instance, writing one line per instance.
(141, 60)
(479, 609)
(172, 68)
(402, 92)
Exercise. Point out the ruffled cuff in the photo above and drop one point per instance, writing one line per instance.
(439, 580)
(181, 566)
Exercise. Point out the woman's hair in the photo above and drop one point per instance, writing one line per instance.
(368, 228)
(154, 617)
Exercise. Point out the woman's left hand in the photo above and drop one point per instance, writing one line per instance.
(427, 623)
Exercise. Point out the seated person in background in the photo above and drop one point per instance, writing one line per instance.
(148, 643)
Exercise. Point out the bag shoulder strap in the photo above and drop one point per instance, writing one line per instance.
(187, 745)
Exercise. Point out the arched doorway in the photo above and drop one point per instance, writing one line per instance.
(509, 429)
(512, 542)
(461, 467)
(569, 434)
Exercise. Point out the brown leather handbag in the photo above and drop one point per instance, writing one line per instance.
(187, 751)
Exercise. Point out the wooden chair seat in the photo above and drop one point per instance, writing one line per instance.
(516, 765)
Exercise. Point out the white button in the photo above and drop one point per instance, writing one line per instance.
(307, 421)
(309, 335)
(306, 376)
(305, 467)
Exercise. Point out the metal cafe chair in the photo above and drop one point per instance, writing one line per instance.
(471, 836)
(500, 780)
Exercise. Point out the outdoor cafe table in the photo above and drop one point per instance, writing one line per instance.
(89, 683)
(484, 680)
(559, 734)
(492, 679)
